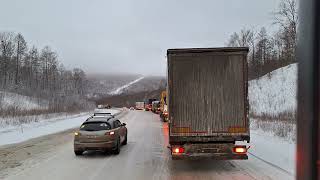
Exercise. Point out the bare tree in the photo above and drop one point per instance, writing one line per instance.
(287, 17)
(287, 14)
(79, 80)
(49, 61)
(233, 41)
(21, 47)
(243, 39)
(7, 49)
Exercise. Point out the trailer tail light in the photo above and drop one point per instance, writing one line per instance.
(177, 150)
(240, 150)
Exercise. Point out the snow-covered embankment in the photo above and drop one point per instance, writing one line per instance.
(16, 134)
(273, 139)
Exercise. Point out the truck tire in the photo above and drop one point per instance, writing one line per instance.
(78, 153)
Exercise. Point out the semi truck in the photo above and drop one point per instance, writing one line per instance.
(155, 107)
(208, 103)
(139, 106)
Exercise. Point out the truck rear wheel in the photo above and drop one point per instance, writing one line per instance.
(78, 153)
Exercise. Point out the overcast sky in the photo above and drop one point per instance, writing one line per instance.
(132, 36)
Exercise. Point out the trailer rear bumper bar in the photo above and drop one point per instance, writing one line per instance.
(222, 151)
(199, 156)
(200, 139)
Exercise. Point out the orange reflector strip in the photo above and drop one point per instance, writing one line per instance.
(237, 129)
(180, 130)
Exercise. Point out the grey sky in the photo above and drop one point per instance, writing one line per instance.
(111, 36)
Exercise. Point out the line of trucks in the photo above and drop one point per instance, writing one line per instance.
(206, 103)
(156, 106)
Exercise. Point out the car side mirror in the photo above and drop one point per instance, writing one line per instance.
(123, 124)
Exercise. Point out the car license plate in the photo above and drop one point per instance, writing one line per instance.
(92, 137)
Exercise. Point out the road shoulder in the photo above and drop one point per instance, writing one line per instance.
(18, 155)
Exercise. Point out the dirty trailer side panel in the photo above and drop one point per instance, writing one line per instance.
(207, 91)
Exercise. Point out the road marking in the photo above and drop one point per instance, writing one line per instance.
(271, 164)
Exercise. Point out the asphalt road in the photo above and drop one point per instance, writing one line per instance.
(145, 157)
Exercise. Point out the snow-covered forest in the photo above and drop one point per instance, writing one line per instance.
(272, 47)
(37, 72)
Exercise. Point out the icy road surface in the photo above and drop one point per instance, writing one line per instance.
(145, 157)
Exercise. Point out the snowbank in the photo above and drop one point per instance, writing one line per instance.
(274, 93)
(16, 134)
(273, 149)
(271, 95)
(21, 102)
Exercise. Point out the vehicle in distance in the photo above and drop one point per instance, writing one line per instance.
(102, 112)
(139, 105)
(164, 114)
(156, 107)
(101, 106)
(163, 106)
(100, 133)
(148, 106)
(208, 103)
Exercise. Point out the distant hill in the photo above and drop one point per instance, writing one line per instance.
(128, 100)
(147, 84)
(100, 85)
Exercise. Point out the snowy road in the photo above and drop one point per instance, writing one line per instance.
(144, 157)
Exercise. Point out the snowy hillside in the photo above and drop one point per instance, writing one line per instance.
(99, 85)
(275, 92)
(119, 90)
(17, 101)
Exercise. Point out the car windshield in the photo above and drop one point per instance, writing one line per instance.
(95, 126)
(230, 84)
(102, 114)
